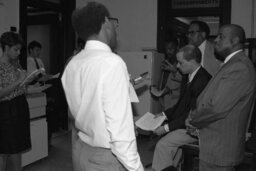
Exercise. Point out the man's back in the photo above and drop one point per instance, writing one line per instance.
(89, 75)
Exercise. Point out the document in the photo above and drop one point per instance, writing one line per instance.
(32, 89)
(32, 75)
(148, 121)
(156, 92)
(55, 76)
(133, 96)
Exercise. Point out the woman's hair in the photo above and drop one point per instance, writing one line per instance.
(10, 39)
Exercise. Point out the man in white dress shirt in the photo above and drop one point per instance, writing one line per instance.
(34, 61)
(96, 84)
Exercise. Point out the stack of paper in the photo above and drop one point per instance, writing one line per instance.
(149, 122)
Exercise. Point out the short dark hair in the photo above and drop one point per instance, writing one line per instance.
(10, 39)
(87, 20)
(191, 52)
(34, 44)
(202, 27)
(173, 40)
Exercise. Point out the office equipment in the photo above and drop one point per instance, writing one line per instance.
(38, 129)
(146, 65)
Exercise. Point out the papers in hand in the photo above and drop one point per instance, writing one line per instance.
(33, 89)
(55, 76)
(133, 96)
(156, 92)
(32, 75)
(148, 122)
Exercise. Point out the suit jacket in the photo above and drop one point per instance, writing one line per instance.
(222, 112)
(177, 115)
(210, 63)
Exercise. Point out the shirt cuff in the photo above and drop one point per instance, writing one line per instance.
(166, 128)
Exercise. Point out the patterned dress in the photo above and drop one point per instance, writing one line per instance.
(14, 113)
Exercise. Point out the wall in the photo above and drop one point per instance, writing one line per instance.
(137, 22)
(9, 16)
(243, 13)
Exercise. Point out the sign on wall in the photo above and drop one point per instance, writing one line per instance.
(183, 4)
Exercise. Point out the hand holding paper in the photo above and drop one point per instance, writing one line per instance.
(149, 122)
(32, 76)
(55, 76)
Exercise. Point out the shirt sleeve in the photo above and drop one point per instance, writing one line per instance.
(119, 119)
(41, 64)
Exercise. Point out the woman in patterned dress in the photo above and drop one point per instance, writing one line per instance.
(14, 113)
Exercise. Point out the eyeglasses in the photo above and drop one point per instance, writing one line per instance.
(114, 20)
(191, 33)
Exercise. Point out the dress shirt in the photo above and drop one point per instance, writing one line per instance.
(202, 49)
(31, 64)
(192, 75)
(190, 78)
(231, 55)
(96, 84)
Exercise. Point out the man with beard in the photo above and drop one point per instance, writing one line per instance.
(198, 34)
(223, 107)
(96, 84)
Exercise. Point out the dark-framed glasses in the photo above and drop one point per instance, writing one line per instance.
(191, 33)
(114, 21)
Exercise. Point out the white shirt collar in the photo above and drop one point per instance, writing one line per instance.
(231, 55)
(202, 46)
(202, 49)
(191, 76)
(96, 45)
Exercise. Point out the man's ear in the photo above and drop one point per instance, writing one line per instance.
(235, 40)
(6, 47)
(106, 20)
(203, 34)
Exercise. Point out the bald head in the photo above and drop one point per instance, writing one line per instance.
(236, 31)
(191, 52)
(231, 38)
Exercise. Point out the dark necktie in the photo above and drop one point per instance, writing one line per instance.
(37, 65)
(39, 75)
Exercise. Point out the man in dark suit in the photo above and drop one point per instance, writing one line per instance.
(223, 107)
(189, 59)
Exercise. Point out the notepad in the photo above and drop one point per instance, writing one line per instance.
(33, 75)
(148, 122)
